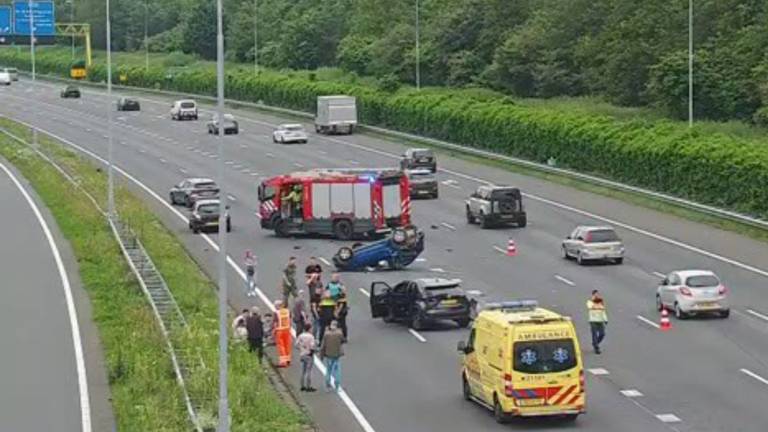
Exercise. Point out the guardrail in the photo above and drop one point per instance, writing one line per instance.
(677, 201)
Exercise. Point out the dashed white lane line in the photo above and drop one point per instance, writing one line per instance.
(245, 170)
(324, 261)
(499, 250)
(322, 152)
(232, 198)
(354, 162)
(163, 161)
(88, 130)
(298, 165)
(647, 321)
(416, 334)
(105, 136)
(668, 418)
(757, 315)
(451, 183)
(661, 275)
(598, 371)
(754, 375)
(270, 155)
(229, 162)
(449, 226)
(420, 259)
(243, 146)
(183, 171)
(212, 156)
(237, 166)
(631, 393)
(142, 151)
(254, 174)
(365, 293)
(564, 280)
(437, 270)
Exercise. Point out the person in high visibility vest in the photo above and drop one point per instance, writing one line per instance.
(282, 335)
(327, 311)
(598, 319)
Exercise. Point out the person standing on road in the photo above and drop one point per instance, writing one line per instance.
(598, 319)
(342, 307)
(250, 274)
(300, 316)
(313, 274)
(305, 342)
(289, 281)
(255, 328)
(331, 351)
(283, 334)
(335, 287)
(327, 311)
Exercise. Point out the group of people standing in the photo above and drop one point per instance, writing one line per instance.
(321, 327)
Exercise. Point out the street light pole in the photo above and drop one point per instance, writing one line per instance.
(146, 38)
(71, 21)
(418, 45)
(223, 327)
(111, 174)
(690, 63)
(32, 57)
(256, 37)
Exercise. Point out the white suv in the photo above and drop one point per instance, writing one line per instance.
(184, 109)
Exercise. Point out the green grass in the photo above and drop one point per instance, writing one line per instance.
(145, 394)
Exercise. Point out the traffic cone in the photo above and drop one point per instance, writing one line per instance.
(511, 248)
(664, 324)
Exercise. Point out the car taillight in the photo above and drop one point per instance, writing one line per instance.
(685, 291)
(508, 385)
(723, 290)
(582, 384)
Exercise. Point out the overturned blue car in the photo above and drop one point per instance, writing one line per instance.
(395, 252)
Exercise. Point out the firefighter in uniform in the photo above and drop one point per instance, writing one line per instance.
(282, 334)
(293, 199)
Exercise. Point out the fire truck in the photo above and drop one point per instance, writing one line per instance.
(343, 203)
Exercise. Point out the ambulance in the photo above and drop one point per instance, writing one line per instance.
(521, 360)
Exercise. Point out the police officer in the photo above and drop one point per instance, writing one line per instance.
(598, 319)
(327, 312)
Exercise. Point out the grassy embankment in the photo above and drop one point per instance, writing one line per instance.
(145, 394)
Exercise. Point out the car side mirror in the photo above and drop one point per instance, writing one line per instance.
(568, 238)
(461, 347)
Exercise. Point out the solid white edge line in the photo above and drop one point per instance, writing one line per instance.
(365, 293)
(82, 379)
(564, 280)
(754, 375)
(350, 404)
(324, 261)
(416, 334)
(757, 314)
(647, 321)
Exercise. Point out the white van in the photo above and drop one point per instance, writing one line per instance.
(5, 78)
(13, 72)
(184, 109)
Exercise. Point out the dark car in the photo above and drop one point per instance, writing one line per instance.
(420, 302)
(418, 158)
(70, 92)
(205, 216)
(230, 125)
(125, 104)
(396, 252)
(193, 189)
(492, 206)
(422, 183)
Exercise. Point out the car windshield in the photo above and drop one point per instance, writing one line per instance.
(504, 194)
(294, 128)
(205, 185)
(423, 154)
(601, 236)
(208, 209)
(702, 281)
(421, 175)
(535, 357)
(266, 193)
(187, 104)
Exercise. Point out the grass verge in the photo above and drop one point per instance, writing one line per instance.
(145, 394)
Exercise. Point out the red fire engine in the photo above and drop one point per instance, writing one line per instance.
(339, 202)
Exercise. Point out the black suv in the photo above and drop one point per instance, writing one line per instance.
(418, 158)
(125, 104)
(205, 215)
(70, 92)
(421, 301)
(495, 206)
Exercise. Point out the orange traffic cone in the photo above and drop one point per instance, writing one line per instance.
(664, 324)
(511, 248)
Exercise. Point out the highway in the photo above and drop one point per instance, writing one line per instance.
(703, 375)
(43, 384)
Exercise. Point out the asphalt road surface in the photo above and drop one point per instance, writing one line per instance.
(703, 375)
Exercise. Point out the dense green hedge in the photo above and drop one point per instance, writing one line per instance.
(664, 156)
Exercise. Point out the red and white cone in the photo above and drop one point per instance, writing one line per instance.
(664, 324)
(511, 248)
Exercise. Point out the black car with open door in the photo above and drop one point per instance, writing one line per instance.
(421, 301)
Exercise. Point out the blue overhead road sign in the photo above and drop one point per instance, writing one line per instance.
(5, 20)
(43, 18)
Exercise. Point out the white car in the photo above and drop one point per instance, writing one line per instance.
(689, 292)
(184, 109)
(5, 78)
(13, 72)
(289, 133)
(593, 243)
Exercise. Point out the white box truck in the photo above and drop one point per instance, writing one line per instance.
(336, 114)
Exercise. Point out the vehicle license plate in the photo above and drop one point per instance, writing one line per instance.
(216, 223)
(530, 402)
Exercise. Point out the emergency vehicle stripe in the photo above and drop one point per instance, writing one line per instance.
(574, 399)
(562, 397)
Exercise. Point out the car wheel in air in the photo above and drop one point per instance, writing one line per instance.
(343, 229)
(399, 236)
(345, 254)
(679, 314)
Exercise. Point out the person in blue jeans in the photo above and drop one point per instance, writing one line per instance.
(331, 351)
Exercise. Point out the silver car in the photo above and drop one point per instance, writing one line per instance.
(690, 292)
(593, 243)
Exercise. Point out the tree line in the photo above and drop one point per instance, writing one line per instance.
(628, 52)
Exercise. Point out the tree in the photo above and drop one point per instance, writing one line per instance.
(198, 34)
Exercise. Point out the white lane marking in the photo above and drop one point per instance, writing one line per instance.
(229, 162)
(212, 156)
(237, 166)
(254, 174)
(668, 418)
(354, 162)
(449, 226)
(245, 170)
(88, 130)
(82, 380)
(105, 136)
(475, 292)
(631, 393)
(163, 160)
(661, 275)
(417, 335)
(365, 293)
(598, 371)
(232, 198)
(270, 155)
(437, 270)
(243, 146)
(500, 250)
(564, 280)
(142, 151)
(754, 375)
(647, 321)
(420, 259)
(298, 165)
(183, 171)
(757, 314)
(324, 261)
(322, 152)
(350, 404)
(451, 183)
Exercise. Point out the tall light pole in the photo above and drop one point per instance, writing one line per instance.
(111, 175)
(418, 45)
(255, 37)
(30, 5)
(690, 63)
(223, 327)
(146, 35)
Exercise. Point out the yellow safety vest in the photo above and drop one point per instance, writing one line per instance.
(283, 320)
(597, 312)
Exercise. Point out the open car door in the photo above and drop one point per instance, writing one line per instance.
(379, 299)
